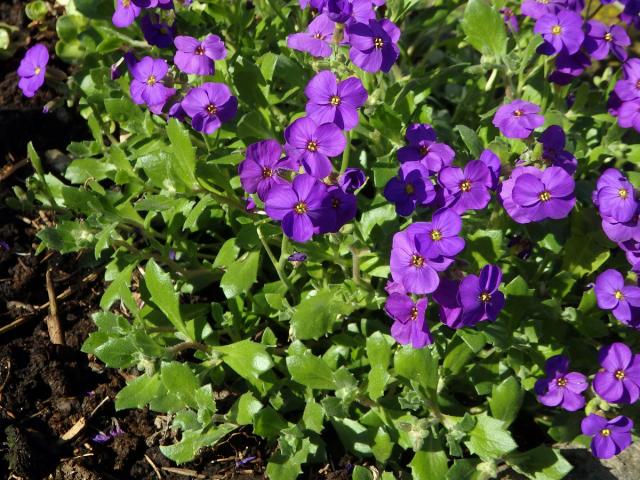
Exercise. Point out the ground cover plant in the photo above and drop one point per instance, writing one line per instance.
(407, 231)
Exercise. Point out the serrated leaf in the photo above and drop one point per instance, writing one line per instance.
(311, 371)
(138, 392)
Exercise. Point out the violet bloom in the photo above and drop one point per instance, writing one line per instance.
(492, 161)
(441, 237)
(209, 106)
(157, 33)
(315, 4)
(619, 380)
(394, 287)
(610, 437)
(125, 14)
(373, 45)
(629, 115)
(631, 250)
(623, 300)
(164, 4)
(568, 67)
(622, 231)
(260, 170)
(601, 39)
(351, 180)
(468, 188)
(410, 189)
(409, 323)
(510, 19)
(147, 85)
(312, 145)
(615, 196)
(195, 56)
(539, 8)
(446, 296)
(336, 102)
(409, 263)
(32, 69)
(339, 207)
(424, 148)
(479, 295)
(561, 388)
(543, 195)
(518, 119)
(553, 141)
(562, 30)
(316, 40)
(297, 257)
(298, 205)
(627, 88)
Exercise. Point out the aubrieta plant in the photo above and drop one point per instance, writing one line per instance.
(404, 233)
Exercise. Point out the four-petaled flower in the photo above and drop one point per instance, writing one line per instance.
(410, 189)
(32, 69)
(409, 323)
(561, 30)
(209, 106)
(623, 300)
(619, 380)
(610, 437)
(518, 119)
(479, 295)
(410, 264)
(147, 86)
(468, 188)
(260, 170)
(316, 40)
(561, 388)
(424, 148)
(373, 45)
(195, 56)
(441, 237)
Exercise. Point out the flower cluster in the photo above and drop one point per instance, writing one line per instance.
(308, 205)
(617, 382)
(372, 42)
(153, 80)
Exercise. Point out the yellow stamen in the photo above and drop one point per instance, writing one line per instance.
(436, 235)
(465, 186)
(544, 196)
(556, 30)
(417, 260)
(300, 208)
(312, 146)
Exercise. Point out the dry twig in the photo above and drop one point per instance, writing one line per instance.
(53, 322)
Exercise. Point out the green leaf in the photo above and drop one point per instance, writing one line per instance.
(361, 473)
(470, 139)
(506, 400)
(541, 463)
(489, 439)
(164, 295)
(313, 416)
(240, 275)
(245, 409)
(379, 354)
(311, 371)
(138, 392)
(193, 440)
(36, 10)
(184, 152)
(430, 462)
(418, 365)
(484, 28)
(227, 254)
(316, 315)
(180, 381)
(67, 236)
(248, 359)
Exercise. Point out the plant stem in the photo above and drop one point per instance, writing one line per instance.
(274, 261)
(346, 154)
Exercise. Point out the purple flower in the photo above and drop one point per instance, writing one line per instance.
(32, 69)
(260, 170)
(629, 115)
(619, 380)
(410, 189)
(628, 87)
(518, 119)
(164, 4)
(340, 208)
(209, 106)
(315, 4)
(409, 324)
(479, 296)
(610, 437)
(466, 189)
(561, 388)
(631, 250)
(601, 38)
(176, 111)
(622, 231)
(492, 161)
(615, 196)
(553, 140)
(373, 45)
(351, 180)
(623, 300)
(101, 438)
(125, 14)
(394, 287)
(299, 206)
(194, 56)
(539, 8)
(336, 102)
(312, 145)
(446, 296)
(297, 257)
(562, 30)
(510, 19)
(569, 67)
(424, 148)
(542, 194)
(147, 86)
(316, 40)
(409, 263)
(156, 32)
(441, 236)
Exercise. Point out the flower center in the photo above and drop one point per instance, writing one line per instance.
(409, 188)
(312, 146)
(619, 295)
(126, 3)
(556, 30)
(417, 260)
(199, 50)
(424, 149)
(378, 42)
(605, 432)
(413, 314)
(619, 374)
(163, 30)
(151, 81)
(517, 113)
(485, 297)
(561, 382)
(465, 186)
(543, 2)
(335, 100)
(267, 173)
(623, 193)
(37, 70)
(544, 196)
(317, 36)
(212, 109)
(638, 85)
(335, 203)
(436, 235)
(300, 208)
(608, 37)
